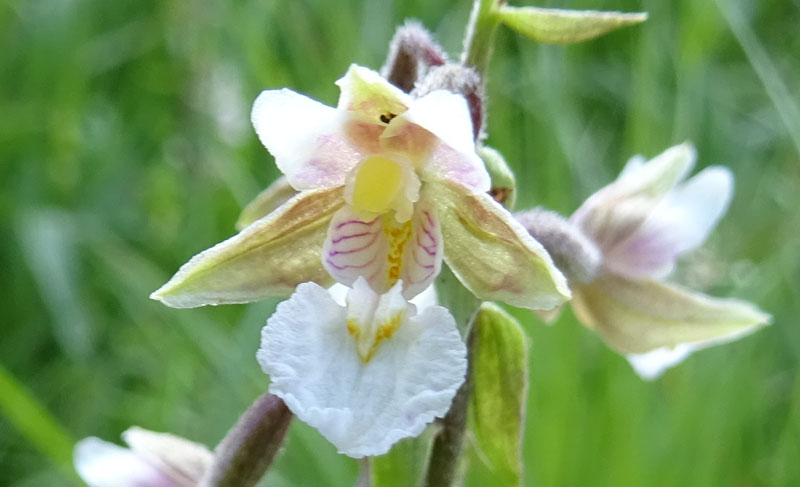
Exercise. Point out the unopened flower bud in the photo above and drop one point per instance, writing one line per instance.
(411, 52)
(250, 446)
(572, 251)
(504, 183)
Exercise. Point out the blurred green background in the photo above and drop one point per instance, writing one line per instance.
(126, 148)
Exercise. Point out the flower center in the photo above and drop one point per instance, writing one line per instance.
(377, 184)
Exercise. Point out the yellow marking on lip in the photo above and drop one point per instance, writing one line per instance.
(397, 236)
(384, 332)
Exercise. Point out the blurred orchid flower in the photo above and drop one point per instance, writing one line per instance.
(384, 181)
(641, 222)
(153, 460)
(365, 373)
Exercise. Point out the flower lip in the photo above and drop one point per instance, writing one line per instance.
(362, 407)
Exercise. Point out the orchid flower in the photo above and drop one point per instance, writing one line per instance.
(641, 223)
(153, 460)
(366, 373)
(388, 186)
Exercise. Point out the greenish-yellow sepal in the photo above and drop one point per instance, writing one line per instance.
(641, 316)
(268, 258)
(492, 254)
(276, 194)
(559, 26)
(499, 385)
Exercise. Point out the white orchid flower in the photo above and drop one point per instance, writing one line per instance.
(367, 373)
(641, 223)
(389, 185)
(153, 460)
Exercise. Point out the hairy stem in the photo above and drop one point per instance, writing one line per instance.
(479, 41)
(448, 444)
(250, 446)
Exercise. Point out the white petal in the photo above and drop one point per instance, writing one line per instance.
(182, 460)
(339, 293)
(452, 154)
(653, 364)
(680, 222)
(103, 464)
(444, 114)
(383, 251)
(361, 407)
(426, 298)
(306, 138)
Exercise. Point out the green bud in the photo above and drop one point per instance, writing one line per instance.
(504, 184)
(559, 26)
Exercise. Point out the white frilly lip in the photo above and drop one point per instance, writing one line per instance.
(362, 406)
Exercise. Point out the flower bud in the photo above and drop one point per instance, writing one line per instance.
(250, 446)
(572, 251)
(411, 52)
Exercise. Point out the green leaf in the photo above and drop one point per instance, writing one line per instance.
(404, 465)
(558, 26)
(269, 258)
(34, 421)
(499, 386)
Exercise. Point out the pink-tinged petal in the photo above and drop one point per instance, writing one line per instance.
(465, 169)
(356, 248)
(616, 211)
(368, 93)
(422, 259)
(444, 114)
(307, 139)
(383, 251)
(437, 131)
(103, 464)
(680, 222)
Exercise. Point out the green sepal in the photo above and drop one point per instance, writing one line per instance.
(269, 258)
(276, 194)
(499, 386)
(559, 26)
(640, 316)
(492, 254)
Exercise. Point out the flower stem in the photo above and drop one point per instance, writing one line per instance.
(250, 446)
(448, 444)
(479, 40)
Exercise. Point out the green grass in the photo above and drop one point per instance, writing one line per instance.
(125, 148)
